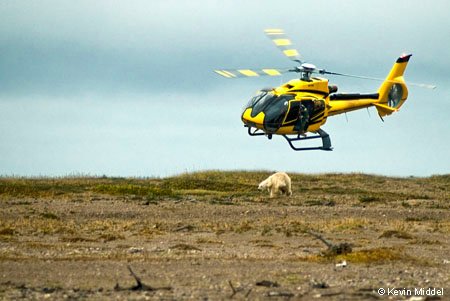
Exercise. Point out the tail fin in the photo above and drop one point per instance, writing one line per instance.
(393, 91)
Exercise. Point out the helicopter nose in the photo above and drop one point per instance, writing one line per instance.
(256, 121)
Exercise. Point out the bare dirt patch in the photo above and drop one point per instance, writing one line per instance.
(213, 236)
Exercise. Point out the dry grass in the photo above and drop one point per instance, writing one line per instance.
(377, 255)
(219, 228)
(30, 217)
(315, 189)
(397, 234)
(366, 256)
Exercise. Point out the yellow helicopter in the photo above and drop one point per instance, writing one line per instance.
(303, 105)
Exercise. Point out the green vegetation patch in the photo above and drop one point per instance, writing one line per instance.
(36, 188)
(396, 233)
(149, 191)
(377, 255)
(368, 199)
(214, 181)
(7, 231)
(311, 190)
(49, 215)
(374, 256)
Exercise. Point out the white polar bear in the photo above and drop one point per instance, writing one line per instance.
(276, 183)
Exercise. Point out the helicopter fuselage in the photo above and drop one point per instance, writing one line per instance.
(303, 105)
(297, 106)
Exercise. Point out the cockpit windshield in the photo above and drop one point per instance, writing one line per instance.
(273, 106)
(255, 99)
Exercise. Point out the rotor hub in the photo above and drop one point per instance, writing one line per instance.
(306, 71)
(308, 67)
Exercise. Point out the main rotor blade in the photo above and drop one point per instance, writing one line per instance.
(428, 86)
(282, 41)
(236, 73)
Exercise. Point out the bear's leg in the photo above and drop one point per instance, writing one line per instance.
(274, 192)
(283, 190)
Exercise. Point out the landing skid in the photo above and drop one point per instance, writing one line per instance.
(326, 142)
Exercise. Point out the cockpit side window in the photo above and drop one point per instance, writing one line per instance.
(275, 111)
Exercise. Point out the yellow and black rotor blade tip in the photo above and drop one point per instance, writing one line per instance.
(282, 42)
(235, 73)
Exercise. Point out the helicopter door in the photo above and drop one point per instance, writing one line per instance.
(297, 115)
(293, 112)
(305, 112)
(316, 110)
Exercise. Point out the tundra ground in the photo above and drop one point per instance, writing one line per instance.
(213, 236)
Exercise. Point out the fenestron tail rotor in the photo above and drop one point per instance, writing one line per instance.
(282, 41)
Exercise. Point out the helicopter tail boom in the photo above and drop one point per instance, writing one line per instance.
(393, 91)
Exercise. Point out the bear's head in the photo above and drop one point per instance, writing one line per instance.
(262, 185)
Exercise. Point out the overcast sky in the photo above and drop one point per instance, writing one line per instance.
(127, 88)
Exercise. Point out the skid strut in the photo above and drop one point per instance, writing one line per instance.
(255, 132)
(326, 142)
